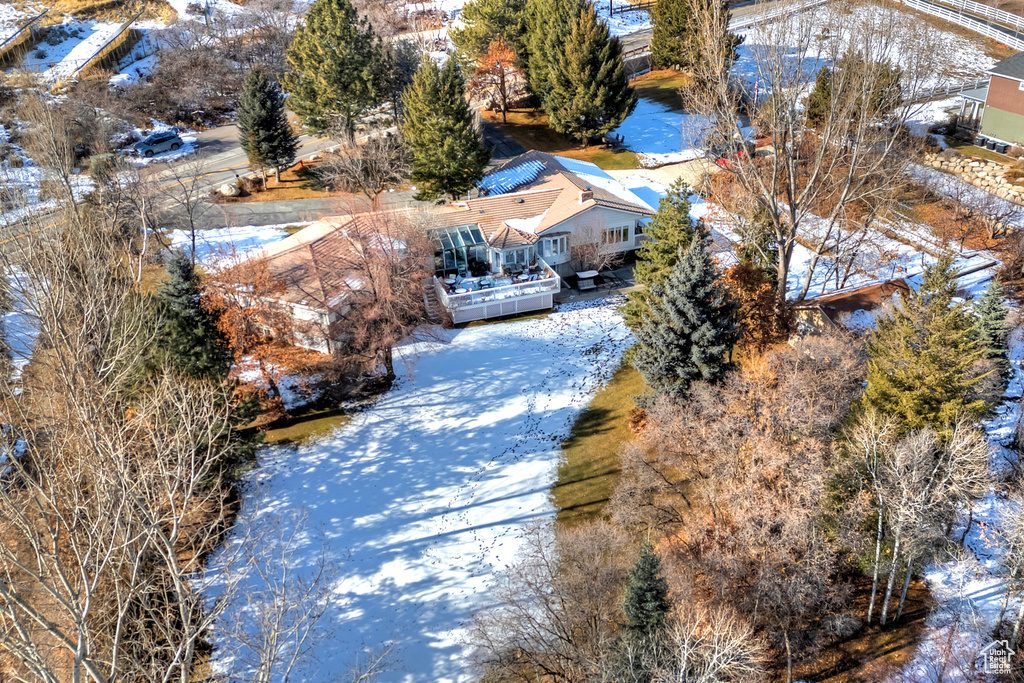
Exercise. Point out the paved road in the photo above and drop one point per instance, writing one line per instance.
(642, 39)
(221, 159)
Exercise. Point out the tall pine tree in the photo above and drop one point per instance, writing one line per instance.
(674, 42)
(991, 328)
(921, 360)
(669, 231)
(691, 327)
(589, 94)
(448, 156)
(263, 129)
(339, 68)
(549, 24)
(189, 332)
(487, 20)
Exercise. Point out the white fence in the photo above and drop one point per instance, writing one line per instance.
(1016, 42)
(781, 9)
(1013, 20)
(944, 91)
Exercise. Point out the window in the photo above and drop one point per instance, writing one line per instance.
(615, 236)
(553, 246)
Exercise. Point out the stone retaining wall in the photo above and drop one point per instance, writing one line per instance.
(988, 175)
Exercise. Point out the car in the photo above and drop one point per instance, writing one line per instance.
(157, 143)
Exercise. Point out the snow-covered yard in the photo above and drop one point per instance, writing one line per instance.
(421, 496)
(234, 242)
(67, 47)
(10, 19)
(661, 135)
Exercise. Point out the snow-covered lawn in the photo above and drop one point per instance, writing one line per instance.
(961, 58)
(234, 242)
(10, 19)
(661, 135)
(81, 40)
(421, 496)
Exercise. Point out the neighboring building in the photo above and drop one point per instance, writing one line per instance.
(1000, 106)
(497, 255)
(315, 267)
(853, 308)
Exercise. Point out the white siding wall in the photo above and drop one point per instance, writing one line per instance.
(596, 220)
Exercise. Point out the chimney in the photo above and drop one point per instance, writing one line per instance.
(586, 195)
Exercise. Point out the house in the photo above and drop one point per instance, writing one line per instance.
(850, 308)
(997, 111)
(506, 251)
(317, 281)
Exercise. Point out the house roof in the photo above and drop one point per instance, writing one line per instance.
(535, 170)
(978, 95)
(866, 298)
(1011, 67)
(317, 264)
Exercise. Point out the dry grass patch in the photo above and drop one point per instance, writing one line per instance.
(590, 466)
(529, 127)
(663, 86)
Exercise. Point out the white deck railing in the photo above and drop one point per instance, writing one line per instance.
(454, 302)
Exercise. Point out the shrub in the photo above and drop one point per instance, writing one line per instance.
(40, 54)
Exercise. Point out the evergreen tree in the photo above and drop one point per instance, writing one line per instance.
(646, 607)
(646, 604)
(448, 156)
(589, 94)
(189, 332)
(819, 101)
(990, 329)
(487, 20)
(548, 27)
(339, 68)
(921, 359)
(673, 39)
(263, 129)
(759, 247)
(669, 231)
(691, 327)
(847, 83)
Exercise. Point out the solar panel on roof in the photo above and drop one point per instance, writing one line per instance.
(510, 178)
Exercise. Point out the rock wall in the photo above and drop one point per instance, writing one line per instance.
(988, 175)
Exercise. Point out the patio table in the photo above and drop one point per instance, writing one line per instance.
(460, 290)
(523, 278)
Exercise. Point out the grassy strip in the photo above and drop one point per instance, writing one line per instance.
(590, 466)
(307, 425)
(663, 85)
(969, 150)
(529, 127)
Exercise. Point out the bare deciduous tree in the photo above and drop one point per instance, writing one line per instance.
(378, 164)
(852, 155)
(558, 604)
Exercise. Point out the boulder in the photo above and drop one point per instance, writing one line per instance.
(229, 190)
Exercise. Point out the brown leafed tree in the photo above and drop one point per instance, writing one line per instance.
(384, 263)
(556, 607)
(496, 79)
(246, 296)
